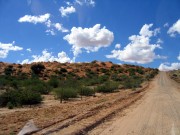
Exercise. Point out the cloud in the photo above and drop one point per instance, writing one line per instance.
(35, 19)
(5, 48)
(67, 10)
(50, 32)
(178, 57)
(85, 2)
(44, 19)
(60, 27)
(47, 56)
(175, 29)
(28, 49)
(117, 46)
(169, 67)
(52, 27)
(159, 41)
(68, 3)
(166, 25)
(90, 39)
(139, 50)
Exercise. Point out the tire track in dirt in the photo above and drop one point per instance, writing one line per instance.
(83, 123)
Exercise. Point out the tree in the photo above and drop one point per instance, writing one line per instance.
(8, 70)
(37, 68)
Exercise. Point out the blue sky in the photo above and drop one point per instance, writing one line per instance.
(145, 33)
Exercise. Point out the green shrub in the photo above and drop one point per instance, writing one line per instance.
(65, 93)
(63, 70)
(8, 70)
(37, 68)
(40, 88)
(20, 97)
(29, 97)
(120, 70)
(131, 71)
(115, 77)
(94, 61)
(103, 70)
(132, 82)
(10, 105)
(11, 96)
(36, 85)
(140, 71)
(107, 87)
(85, 91)
(53, 82)
(103, 78)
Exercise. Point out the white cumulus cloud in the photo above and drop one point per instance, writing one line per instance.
(175, 29)
(68, 10)
(28, 49)
(90, 39)
(169, 67)
(52, 27)
(117, 46)
(35, 19)
(44, 19)
(139, 50)
(85, 2)
(47, 56)
(166, 25)
(6, 47)
(178, 57)
(159, 41)
(59, 27)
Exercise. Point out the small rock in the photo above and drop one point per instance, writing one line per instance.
(29, 127)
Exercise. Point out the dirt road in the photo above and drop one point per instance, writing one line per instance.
(157, 113)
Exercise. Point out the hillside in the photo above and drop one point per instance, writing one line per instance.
(75, 70)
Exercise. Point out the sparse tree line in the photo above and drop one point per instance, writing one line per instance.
(16, 91)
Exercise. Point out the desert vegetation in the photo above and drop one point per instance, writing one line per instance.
(25, 84)
(175, 75)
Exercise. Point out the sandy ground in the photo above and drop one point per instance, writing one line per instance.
(52, 114)
(86, 120)
(157, 113)
(71, 117)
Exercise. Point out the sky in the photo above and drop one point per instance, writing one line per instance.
(138, 32)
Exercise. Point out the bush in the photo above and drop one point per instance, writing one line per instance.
(103, 70)
(85, 91)
(94, 61)
(29, 97)
(103, 78)
(41, 88)
(132, 82)
(120, 70)
(37, 68)
(3, 81)
(8, 70)
(107, 87)
(19, 97)
(140, 71)
(10, 105)
(36, 85)
(65, 93)
(115, 77)
(53, 82)
(11, 96)
(63, 70)
(131, 71)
